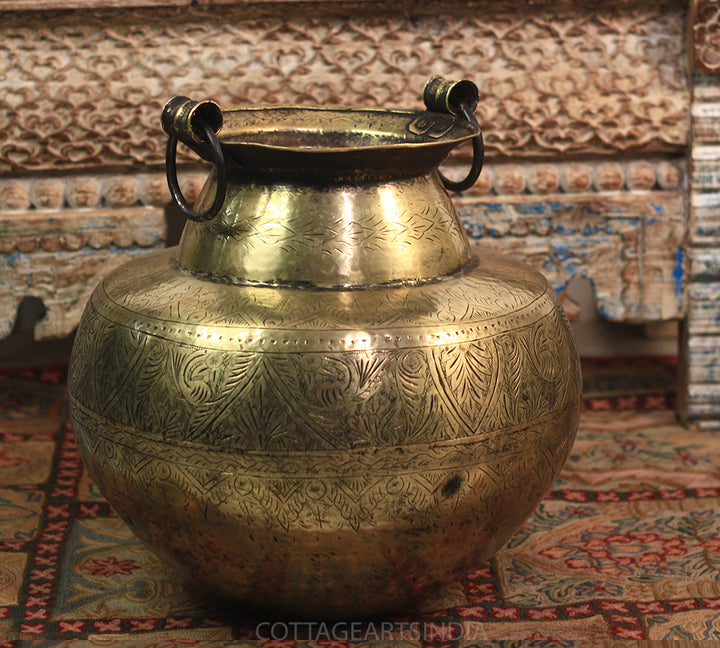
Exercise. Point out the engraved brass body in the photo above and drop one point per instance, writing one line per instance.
(321, 403)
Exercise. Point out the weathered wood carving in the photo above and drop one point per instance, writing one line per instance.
(555, 79)
(617, 223)
(60, 256)
(705, 31)
(59, 236)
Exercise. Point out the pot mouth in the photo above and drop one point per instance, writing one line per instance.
(322, 130)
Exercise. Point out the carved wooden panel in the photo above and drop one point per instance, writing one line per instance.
(620, 224)
(60, 257)
(700, 380)
(60, 235)
(556, 79)
(630, 247)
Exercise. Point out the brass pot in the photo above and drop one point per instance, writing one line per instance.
(321, 403)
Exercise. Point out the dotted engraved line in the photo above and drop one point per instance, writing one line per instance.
(447, 334)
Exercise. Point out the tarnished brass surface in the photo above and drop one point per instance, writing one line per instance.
(321, 404)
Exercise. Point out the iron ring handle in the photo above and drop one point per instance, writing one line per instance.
(457, 98)
(213, 146)
(477, 161)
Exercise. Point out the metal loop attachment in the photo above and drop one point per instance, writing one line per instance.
(458, 98)
(196, 125)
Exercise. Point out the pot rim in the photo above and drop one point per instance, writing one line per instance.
(323, 129)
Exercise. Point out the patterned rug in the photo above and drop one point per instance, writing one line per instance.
(625, 546)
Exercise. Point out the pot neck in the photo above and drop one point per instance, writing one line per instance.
(403, 231)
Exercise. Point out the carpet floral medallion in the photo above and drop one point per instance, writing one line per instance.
(626, 545)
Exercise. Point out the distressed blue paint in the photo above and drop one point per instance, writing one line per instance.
(476, 229)
(678, 274)
(572, 267)
(13, 256)
(88, 251)
(586, 212)
(559, 206)
(532, 208)
(605, 311)
(562, 283)
(709, 229)
(659, 209)
(91, 226)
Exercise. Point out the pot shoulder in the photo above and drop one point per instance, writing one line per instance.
(155, 295)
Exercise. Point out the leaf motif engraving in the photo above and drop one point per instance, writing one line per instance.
(465, 376)
(416, 401)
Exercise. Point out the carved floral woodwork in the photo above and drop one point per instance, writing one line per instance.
(554, 79)
(705, 30)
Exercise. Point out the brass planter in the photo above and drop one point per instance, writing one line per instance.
(321, 404)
